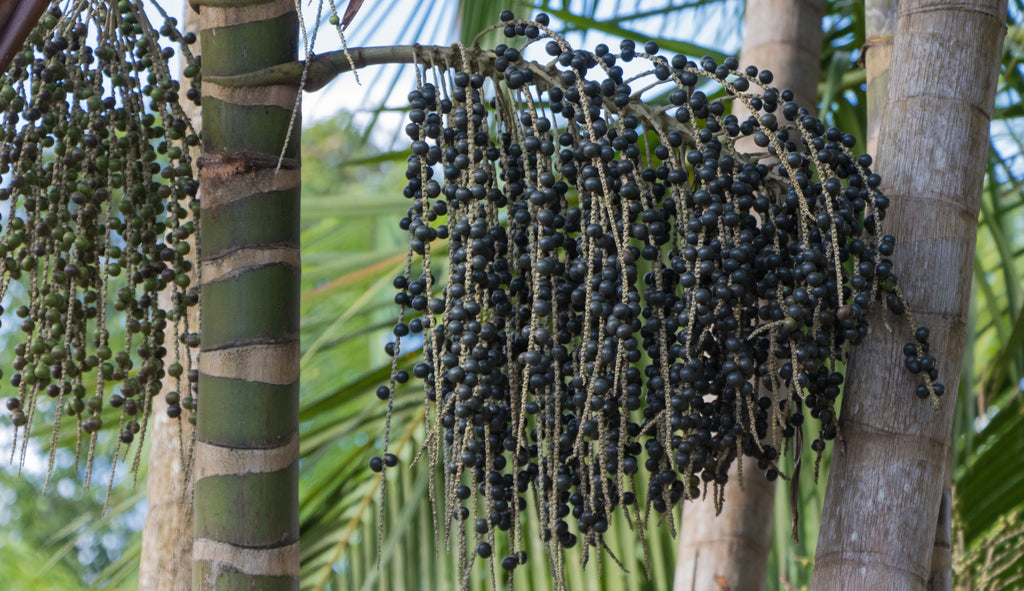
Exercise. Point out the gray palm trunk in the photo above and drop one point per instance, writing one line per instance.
(882, 504)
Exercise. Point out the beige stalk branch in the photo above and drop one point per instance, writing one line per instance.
(325, 67)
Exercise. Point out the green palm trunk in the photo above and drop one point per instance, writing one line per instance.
(246, 491)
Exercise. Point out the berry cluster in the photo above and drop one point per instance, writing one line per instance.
(102, 204)
(627, 290)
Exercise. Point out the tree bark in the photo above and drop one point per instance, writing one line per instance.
(883, 496)
(246, 456)
(711, 546)
(879, 31)
(783, 36)
(881, 17)
(167, 535)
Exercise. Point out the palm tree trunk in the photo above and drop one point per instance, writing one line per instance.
(883, 497)
(879, 30)
(783, 36)
(711, 546)
(167, 535)
(246, 457)
(880, 21)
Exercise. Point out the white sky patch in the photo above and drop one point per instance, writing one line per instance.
(35, 461)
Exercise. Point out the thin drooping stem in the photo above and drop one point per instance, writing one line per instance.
(883, 496)
(246, 455)
(783, 36)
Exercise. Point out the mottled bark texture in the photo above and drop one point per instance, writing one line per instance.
(883, 497)
(783, 36)
(246, 457)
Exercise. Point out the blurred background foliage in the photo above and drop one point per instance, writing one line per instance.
(353, 164)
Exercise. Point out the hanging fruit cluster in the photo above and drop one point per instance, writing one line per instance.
(101, 201)
(638, 280)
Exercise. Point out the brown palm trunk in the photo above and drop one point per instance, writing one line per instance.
(166, 563)
(783, 36)
(711, 546)
(883, 497)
